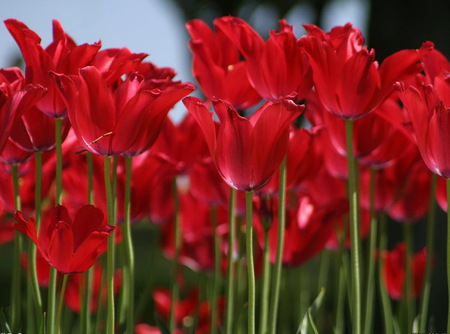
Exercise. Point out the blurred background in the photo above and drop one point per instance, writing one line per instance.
(157, 27)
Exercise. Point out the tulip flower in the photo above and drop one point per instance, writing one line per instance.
(70, 246)
(393, 271)
(349, 82)
(246, 151)
(218, 67)
(61, 56)
(125, 121)
(287, 77)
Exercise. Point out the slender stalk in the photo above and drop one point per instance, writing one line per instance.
(128, 244)
(231, 262)
(250, 261)
(370, 287)
(16, 276)
(275, 296)
(409, 283)
(176, 258)
(217, 275)
(241, 282)
(110, 320)
(448, 251)
(51, 300)
(265, 285)
(61, 303)
(385, 301)
(85, 314)
(430, 250)
(354, 231)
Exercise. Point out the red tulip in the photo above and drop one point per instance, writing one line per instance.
(393, 271)
(287, 77)
(348, 81)
(61, 56)
(15, 100)
(218, 67)
(246, 151)
(123, 121)
(69, 246)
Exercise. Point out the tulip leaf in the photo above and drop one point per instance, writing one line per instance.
(162, 326)
(307, 325)
(4, 326)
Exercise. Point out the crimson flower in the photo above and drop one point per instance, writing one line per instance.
(16, 98)
(349, 82)
(69, 246)
(62, 56)
(124, 121)
(218, 67)
(246, 151)
(393, 271)
(287, 77)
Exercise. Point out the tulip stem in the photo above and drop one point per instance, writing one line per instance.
(408, 284)
(61, 303)
(371, 256)
(15, 280)
(385, 301)
(280, 245)
(354, 231)
(217, 273)
(448, 251)
(250, 261)
(265, 285)
(430, 250)
(231, 261)
(128, 243)
(31, 246)
(176, 258)
(85, 314)
(110, 321)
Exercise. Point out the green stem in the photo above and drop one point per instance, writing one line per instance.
(85, 314)
(217, 274)
(371, 257)
(448, 251)
(128, 244)
(385, 301)
(430, 250)
(280, 246)
(110, 256)
(61, 303)
(16, 276)
(241, 282)
(250, 261)
(409, 278)
(231, 261)
(176, 258)
(265, 288)
(354, 231)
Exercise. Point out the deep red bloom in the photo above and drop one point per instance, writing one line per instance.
(16, 98)
(393, 271)
(218, 67)
(429, 109)
(69, 246)
(287, 77)
(76, 286)
(348, 81)
(61, 56)
(123, 121)
(246, 151)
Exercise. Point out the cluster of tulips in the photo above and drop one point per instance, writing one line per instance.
(300, 146)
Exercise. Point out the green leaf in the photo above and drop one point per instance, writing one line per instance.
(3, 321)
(307, 325)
